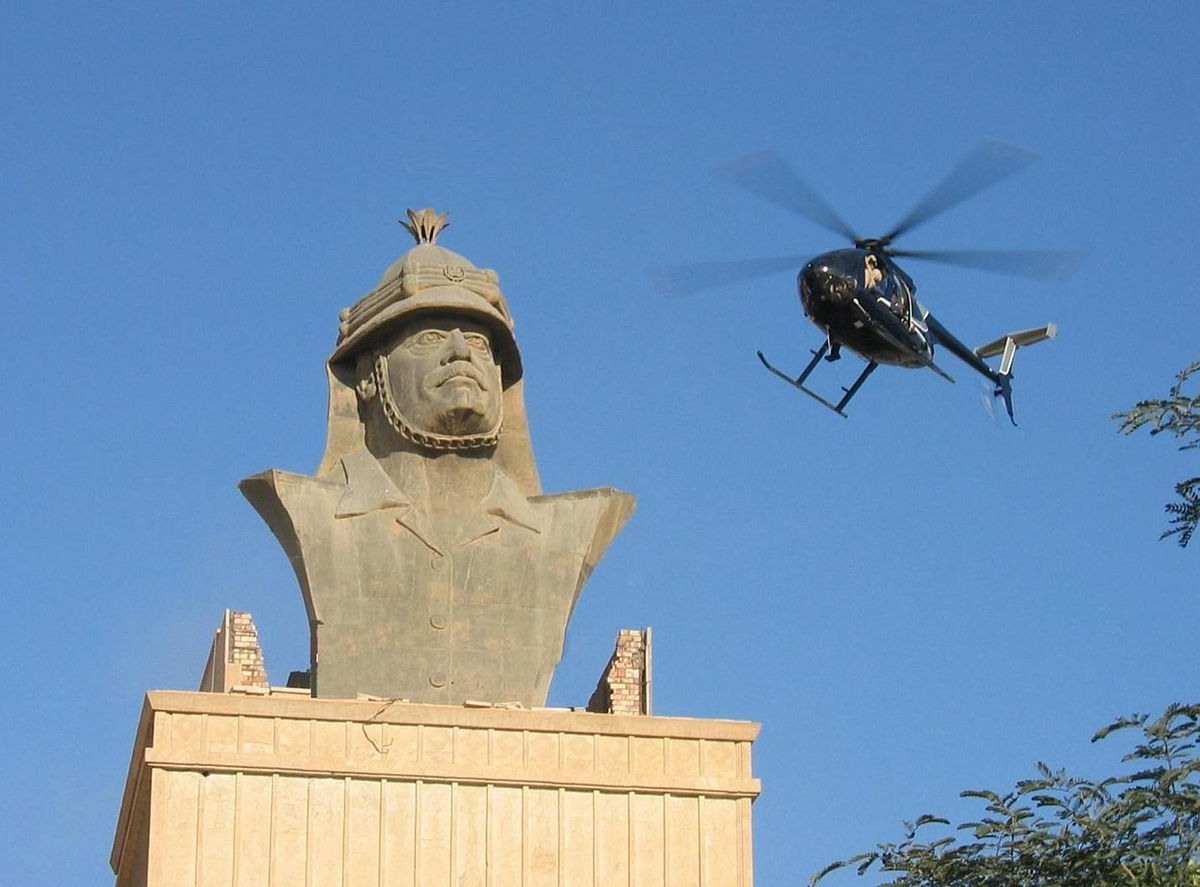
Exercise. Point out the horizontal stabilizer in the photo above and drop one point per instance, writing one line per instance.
(1024, 337)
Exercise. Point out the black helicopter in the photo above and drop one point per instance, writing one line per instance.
(860, 297)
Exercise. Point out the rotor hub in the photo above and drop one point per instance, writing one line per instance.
(875, 244)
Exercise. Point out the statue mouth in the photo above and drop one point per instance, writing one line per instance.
(458, 372)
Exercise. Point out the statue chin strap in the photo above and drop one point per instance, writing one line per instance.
(429, 440)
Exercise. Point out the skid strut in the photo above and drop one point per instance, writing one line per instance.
(798, 382)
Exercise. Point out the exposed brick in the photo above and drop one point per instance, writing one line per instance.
(622, 689)
(236, 659)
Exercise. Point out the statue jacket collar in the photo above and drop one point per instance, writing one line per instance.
(369, 489)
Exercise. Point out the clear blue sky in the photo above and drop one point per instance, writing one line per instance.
(912, 601)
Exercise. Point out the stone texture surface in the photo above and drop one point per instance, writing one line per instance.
(283, 789)
(624, 688)
(432, 567)
(235, 659)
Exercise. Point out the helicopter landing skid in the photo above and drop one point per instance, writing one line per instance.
(798, 382)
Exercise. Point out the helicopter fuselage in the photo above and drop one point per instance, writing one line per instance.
(862, 299)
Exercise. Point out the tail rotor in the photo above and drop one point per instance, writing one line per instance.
(1006, 347)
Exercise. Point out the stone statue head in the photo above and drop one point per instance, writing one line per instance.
(438, 383)
(432, 347)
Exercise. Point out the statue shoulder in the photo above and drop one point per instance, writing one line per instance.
(591, 518)
(284, 499)
(598, 498)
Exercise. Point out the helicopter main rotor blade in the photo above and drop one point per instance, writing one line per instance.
(769, 176)
(684, 280)
(1034, 264)
(988, 163)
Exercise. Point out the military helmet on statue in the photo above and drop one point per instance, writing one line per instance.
(430, 279)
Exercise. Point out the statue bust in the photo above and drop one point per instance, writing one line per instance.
(432, 567)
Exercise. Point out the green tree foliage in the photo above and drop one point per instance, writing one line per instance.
(1179, 415)
(1141, 829)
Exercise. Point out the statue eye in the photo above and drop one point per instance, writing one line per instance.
(429, 337)
(478, 343)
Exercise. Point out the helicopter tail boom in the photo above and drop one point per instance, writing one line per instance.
(1006, 346)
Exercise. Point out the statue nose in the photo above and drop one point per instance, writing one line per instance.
(457, 347)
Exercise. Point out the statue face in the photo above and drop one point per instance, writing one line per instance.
(443, 376)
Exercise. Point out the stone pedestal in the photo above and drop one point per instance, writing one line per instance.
(276, 788)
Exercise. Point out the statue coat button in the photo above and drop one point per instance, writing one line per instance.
(438, 679)
(438, 621)
(437, 562)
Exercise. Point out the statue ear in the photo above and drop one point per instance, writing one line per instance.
(364, 374)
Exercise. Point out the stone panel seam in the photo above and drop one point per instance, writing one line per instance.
(561, 824)
(271, 854)
(237, 817)
(308, 830)
(683, 786)
(489, 850)
(382, 849)
(198, 869)
(666, 837)
(454, 801)
(417, 817)
(524, 832)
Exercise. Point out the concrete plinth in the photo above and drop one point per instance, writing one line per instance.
(282, 789)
